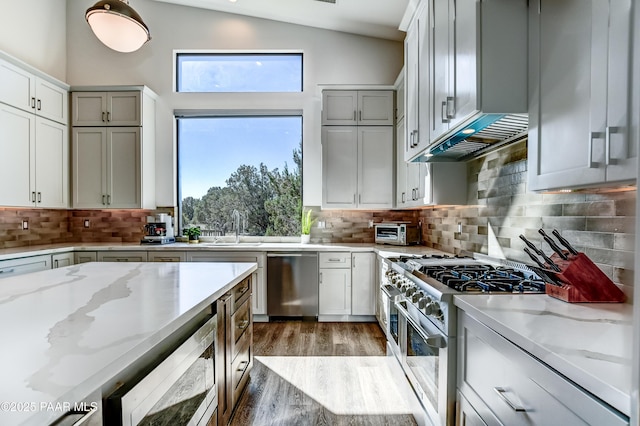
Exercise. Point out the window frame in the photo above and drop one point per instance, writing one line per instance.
(225, 113)
(213, 52)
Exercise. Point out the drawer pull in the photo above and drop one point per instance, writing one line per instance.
(7, 271)
(243, 365)
(501, 393)
(244, 324)
(335, 259)
(242, 290)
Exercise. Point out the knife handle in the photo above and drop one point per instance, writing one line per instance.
(552, 244)
(534, 258)
(530, 244)
(564, 242)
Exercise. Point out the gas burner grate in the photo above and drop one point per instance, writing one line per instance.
(484, 278)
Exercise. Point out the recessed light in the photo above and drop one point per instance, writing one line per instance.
(469, 131)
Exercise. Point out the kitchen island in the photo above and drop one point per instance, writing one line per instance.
(587, 343)
(72, 331)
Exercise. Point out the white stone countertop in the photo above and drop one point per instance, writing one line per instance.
(68, 331)
(384, 250)
(589, 343)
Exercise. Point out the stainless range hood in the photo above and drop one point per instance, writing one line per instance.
(479, 134)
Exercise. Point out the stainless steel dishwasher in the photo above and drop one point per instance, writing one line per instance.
(292, 285)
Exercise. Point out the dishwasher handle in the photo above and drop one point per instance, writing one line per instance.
(292, 254)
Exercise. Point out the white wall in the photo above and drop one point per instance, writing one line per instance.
(329, 58)
(34, 31)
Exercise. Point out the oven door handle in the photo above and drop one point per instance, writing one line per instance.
(387, 292)
(435, 340)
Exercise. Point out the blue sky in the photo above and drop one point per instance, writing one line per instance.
(210, 149)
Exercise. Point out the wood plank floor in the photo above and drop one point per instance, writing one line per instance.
(310, 373)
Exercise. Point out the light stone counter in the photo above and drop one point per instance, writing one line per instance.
(384, 250)
(66, 332)
(589, 343)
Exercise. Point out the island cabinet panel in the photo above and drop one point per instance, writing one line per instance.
(234, 356)
(503, 384)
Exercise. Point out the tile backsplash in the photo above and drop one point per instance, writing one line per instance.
(47, 226)
(499, 209)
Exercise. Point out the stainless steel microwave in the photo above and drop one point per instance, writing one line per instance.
(399, 234)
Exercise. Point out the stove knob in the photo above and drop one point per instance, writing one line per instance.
(439, 314)
(431, 308)
(417, 296)
(422, 303)
(409, 290)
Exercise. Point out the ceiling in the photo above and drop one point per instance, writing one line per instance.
(374, 18)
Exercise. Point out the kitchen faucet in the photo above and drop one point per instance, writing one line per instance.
(235, 218)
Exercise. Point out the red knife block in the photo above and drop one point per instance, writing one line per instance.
(584, 281)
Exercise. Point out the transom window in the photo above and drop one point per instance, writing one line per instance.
(238, 72)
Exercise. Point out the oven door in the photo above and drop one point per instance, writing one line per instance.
(426, 363)
(392, 294)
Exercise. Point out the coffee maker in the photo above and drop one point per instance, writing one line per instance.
(158, 230)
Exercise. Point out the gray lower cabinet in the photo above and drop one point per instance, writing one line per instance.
(259, 277)
(166, 256)
(60, 260)
(24, 265)
(501, 384)
(85, 256)
(122, 256)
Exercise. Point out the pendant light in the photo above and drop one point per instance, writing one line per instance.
(117, 25)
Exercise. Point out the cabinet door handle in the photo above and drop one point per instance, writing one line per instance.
(416, 138)
(244, 324)
(403, 197)
(360, 118)
(39, 197)
(354, 115)
(354, 198)
(359, 198)
(607, 140)
(108, 116)
(443, 112)
(320, 278)
(33, 102)
(33, 197)
(39, 105)
(103, 198)
(451, 106)
(103, 119)
(55, 263)
(501, 393)
(108, 199)
(243, 365)
(590, 163)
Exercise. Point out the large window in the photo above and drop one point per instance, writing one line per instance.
(238, 72)
(250, 165)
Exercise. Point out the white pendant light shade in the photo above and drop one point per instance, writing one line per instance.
(117, 25)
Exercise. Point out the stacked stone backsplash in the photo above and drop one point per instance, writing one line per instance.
(352, 226)
(67, 226)
(499, 209)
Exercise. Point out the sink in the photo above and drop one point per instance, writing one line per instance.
(230, 244)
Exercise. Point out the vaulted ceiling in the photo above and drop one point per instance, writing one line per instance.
(374, 18)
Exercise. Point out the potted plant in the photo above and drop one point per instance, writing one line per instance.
(193, 233)
(306, 223)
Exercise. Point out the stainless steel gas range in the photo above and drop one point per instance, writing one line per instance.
(419, 317)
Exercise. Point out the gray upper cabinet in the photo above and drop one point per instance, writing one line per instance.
(417, 72)
(357, 108)
(113, 148)
(579, 88)
(357, 167)
(23, 89)
(106, 109)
